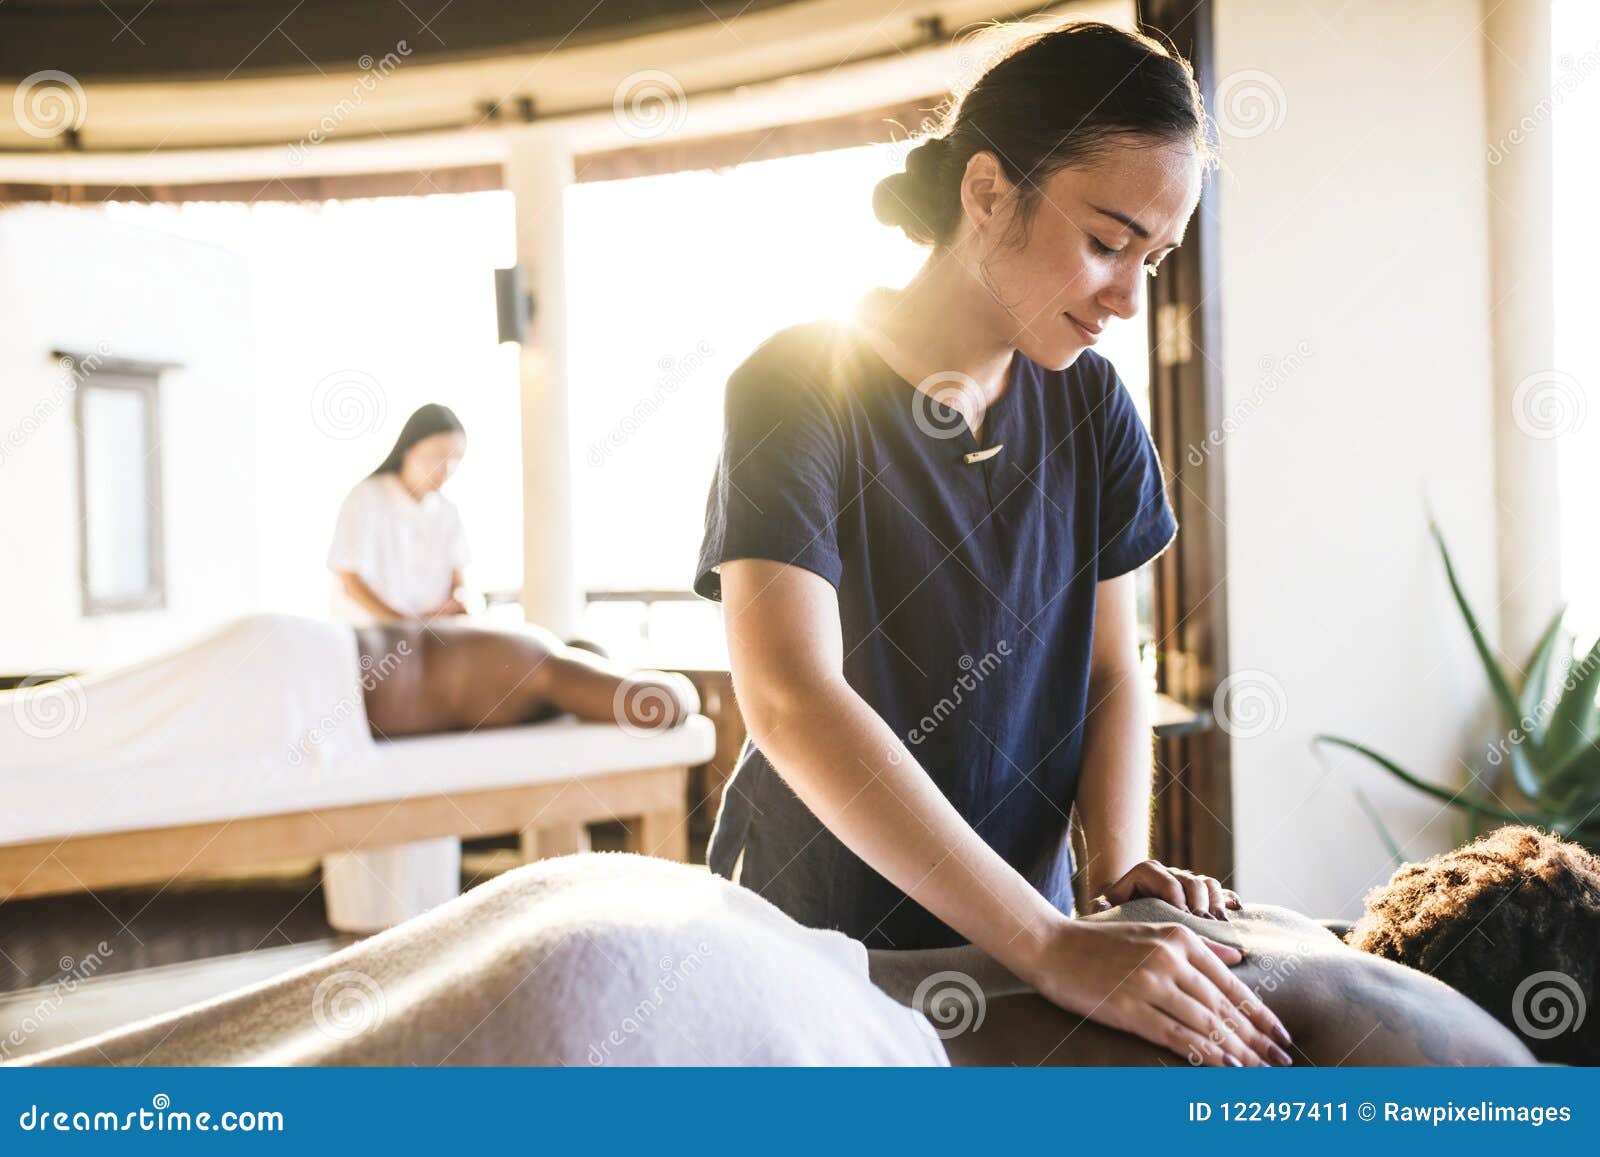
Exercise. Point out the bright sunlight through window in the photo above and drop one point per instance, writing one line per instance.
(673, 280)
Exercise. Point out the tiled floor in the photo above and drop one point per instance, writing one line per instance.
(33, 1020)
(72, 966)
(122, 930)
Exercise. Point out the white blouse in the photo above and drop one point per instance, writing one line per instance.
(405, 550)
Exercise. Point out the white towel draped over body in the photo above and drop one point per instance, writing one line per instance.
(266, 686)
(596, 959)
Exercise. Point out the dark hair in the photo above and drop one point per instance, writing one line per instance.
(1511, 921)
(425, 423)
(1052, 100)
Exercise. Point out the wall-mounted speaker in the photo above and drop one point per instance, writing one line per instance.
(513, 306)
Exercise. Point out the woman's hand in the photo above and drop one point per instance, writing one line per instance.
(1191, 891)
(451, 606)
(1165, 984)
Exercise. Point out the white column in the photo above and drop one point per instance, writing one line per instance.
(538, 171)
(1517, 85)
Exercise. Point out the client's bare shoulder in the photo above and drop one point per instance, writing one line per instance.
(1345, 1007)
(1342, 1007)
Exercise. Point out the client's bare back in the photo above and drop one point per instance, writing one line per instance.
(458, 677)
(1342, 1007)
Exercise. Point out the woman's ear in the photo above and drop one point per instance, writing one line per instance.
(983, 187)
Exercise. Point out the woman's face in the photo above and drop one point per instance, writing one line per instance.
(430, 462)
(1092, 235)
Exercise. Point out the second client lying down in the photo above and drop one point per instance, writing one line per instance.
(269, 689)
(459, 677)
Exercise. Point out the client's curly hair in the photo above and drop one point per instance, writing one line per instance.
(1486, 918)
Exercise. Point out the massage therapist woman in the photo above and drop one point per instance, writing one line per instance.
(924, 528)
(399, 550)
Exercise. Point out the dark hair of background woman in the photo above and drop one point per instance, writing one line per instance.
(425, 423)
(1053, 100)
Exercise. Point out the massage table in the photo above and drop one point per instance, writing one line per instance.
(179, 766)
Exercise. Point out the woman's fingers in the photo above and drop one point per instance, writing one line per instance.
(1226, 953)
(1237, 993)
(1123, 890)
(1194, 1047)
(1195, 897)
(1198, 1012)
(1153, 879)
(1234, 1017)
(1191, 891)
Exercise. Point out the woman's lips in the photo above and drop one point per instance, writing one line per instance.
(1089, 335)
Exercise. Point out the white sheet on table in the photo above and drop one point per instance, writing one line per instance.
(263, 691)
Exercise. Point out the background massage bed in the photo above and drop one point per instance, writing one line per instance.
(204, 778)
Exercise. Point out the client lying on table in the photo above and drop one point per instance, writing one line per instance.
(458, 677)
(617, 959)
(269, 688)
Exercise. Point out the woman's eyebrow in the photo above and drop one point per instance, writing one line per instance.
(1139, 230)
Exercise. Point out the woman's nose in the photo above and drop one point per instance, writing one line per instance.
(1122, 296)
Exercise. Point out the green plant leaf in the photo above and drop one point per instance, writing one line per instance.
(1453, 798)
(1521, 766)
(1537, 684)
(1573, 789)
(1575, 723)
(1480, 786)
(1395, 854)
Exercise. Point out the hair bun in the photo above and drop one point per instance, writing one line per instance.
(929, 153)
(917, 201)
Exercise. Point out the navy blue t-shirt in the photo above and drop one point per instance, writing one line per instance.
(966, 595)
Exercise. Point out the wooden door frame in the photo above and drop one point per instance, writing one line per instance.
(1193, 823)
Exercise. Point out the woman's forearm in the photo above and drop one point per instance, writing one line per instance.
(853, 772)
(1114, 790)
(902, 971)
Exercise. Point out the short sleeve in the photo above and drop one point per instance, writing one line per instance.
(1136, 521)
(349, 551)
(776, 490)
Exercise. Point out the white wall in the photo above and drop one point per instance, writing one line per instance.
(1356, 225)
(74, 280)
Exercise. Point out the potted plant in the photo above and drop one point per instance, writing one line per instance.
(1551, 741)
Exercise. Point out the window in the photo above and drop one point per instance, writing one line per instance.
(119, 456)
(673, 279)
